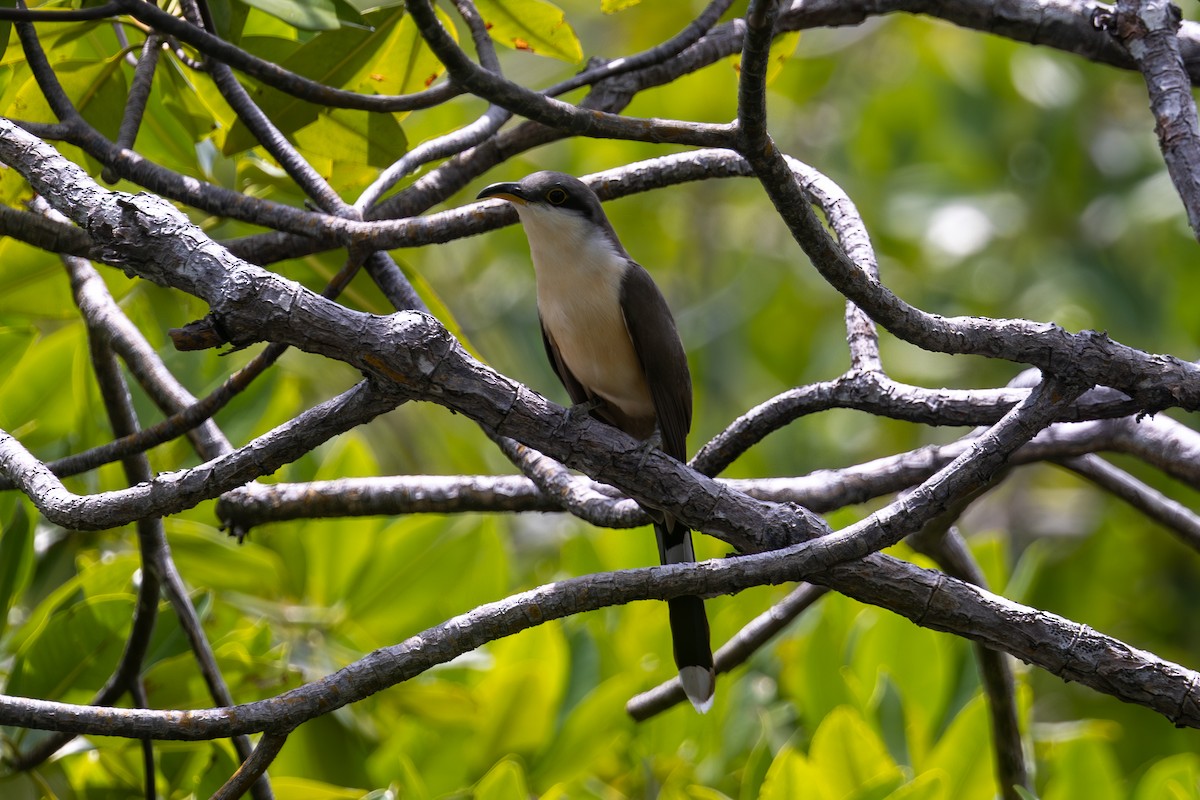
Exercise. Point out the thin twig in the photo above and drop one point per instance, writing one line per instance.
(139, 94)
(1174, 516)
(735, 652)
(253, 768)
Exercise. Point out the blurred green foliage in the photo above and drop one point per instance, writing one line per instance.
(995, 178)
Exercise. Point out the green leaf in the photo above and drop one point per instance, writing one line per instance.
(613, 6)
(16, 559)
(1176, 777)
(503, 781)
(921, 665)
(782, 48)
(75, 652)
(792, 776)
(217, 563)
(309, 15)
(288, 788)
(422, 554)
(755, 771)
(437, 306)
(519, 696)
(354, 137)
(367, 6)
(195, 768)
(334, 58)
(852, 756)
(39, 392)
(536, 26)
(1084, 767)
(812, 676)
(964, 753)
(926, 786)
(93, 578)
(596, 726)
(31, 285)
(404, 63)
(229, 17)
(98, 89)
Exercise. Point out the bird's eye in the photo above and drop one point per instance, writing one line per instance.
(556, 197)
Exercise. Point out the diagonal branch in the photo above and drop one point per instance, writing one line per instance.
(1072, 651)
(1147, 30)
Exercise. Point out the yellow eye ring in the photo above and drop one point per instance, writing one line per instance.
(556, 197)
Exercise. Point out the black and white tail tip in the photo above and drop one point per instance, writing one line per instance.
(699, 684)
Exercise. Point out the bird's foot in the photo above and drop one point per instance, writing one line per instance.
(580, 410)
(648, 447)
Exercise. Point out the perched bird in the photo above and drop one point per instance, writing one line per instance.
(612, 342)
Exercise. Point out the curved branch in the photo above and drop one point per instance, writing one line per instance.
(275, 76)
(548, 111)
(1073, 652)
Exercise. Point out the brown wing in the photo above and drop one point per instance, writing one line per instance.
(656, 342)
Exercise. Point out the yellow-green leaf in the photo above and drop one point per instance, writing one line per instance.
(613, 6)
(333, 58)
(536, 26)
(502, 781)
(781, 50)
(404, 64)
(310, 15)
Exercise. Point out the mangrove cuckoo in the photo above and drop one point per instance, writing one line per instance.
(612, 342)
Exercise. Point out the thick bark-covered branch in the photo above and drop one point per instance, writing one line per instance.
(1072, 651)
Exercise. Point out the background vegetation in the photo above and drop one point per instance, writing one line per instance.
(996, 179)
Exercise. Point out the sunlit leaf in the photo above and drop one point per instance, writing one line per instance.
(921, 665)
(367, 6)
(1087, 767)
(964, 753)
(613, 6)
(216, 562)
(782, 48)
(405, 64)
(30, 286)
(594, 727)
(791, 775)
(354, 137)
(288, 788)
(851, 755)
(1176, 777)
(312, 15)
(535, 26)
(926, 786)
(503, 781)
(519, 706)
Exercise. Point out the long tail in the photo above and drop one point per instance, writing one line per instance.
(689, 623)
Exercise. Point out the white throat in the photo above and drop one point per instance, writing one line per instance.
(579, 274)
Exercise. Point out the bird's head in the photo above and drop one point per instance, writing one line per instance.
(555, 207)
(553, 191)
